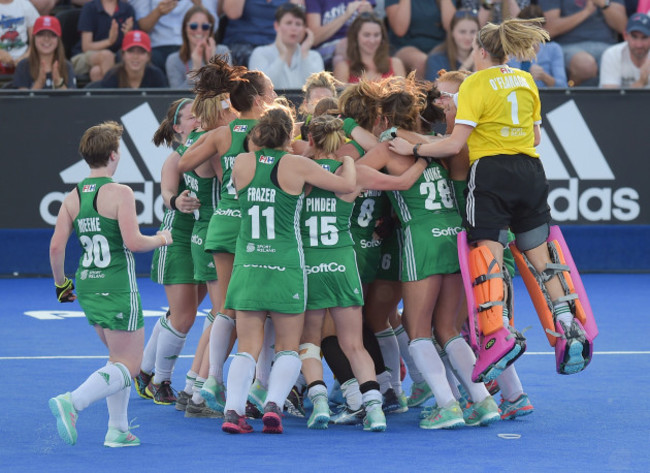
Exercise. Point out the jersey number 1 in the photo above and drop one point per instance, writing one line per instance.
(514, 107)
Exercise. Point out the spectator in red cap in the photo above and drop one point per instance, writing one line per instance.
(627, 64)
(46, 66)
(135, 70)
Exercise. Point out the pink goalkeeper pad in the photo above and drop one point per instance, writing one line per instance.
(463, 259)
(591, 329)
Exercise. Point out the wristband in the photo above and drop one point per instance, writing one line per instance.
(172, 203)
(417, 155)
(415, 150)
(64, 291)
(349, 124)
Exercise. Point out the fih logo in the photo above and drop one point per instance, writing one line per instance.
(140, 123)
(595, 204)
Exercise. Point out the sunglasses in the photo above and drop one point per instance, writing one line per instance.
(204, 26)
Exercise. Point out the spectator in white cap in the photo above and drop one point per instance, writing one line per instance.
(627, 64)
(135, 70)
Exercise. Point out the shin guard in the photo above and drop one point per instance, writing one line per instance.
(573, 345)
(496, 346)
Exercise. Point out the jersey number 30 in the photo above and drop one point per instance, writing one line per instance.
(96, 251)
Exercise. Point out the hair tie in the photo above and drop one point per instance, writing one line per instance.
(180, 105)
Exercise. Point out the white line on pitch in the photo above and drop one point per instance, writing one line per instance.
(90, 357)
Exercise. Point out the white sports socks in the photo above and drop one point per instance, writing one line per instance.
(403, 341)
(284, 373)
(220, 334)
(170, 345)
(390, 352)
(149, 354)
(428, 361)
(240, 378)
(462, 361)
(104, 382)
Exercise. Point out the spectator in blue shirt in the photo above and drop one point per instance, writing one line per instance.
(103, 24)
(584, 30)
(548, 68)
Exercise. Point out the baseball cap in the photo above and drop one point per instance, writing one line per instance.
(47, 23)
(136, 38)
(639, 22)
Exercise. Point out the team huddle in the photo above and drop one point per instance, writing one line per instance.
(306, 236)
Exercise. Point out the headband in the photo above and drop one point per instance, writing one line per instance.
(180, 105)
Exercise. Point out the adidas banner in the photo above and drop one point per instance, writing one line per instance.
(593, 149)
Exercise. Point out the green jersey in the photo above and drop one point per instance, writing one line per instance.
(369, 207)
(106, 265)
(206, 189)
(239, 130)
(270, 219)
(431, 194)
(325, 221)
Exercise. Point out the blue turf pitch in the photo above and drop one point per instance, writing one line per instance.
(595, 421)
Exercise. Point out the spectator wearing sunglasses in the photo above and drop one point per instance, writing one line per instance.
(162, 20)
(197, 48)
(289, 61)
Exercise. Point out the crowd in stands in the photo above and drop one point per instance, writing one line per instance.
(59, 44)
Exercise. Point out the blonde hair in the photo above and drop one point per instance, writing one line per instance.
(318, 80)
(514, 37)
(209, 110)
(327, 133)
(99, 141)
(452, 76)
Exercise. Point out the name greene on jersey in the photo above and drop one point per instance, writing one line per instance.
(320, 204)
(509, 81)
(90, 224)
(261, 194)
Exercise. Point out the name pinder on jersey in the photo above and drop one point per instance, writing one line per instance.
(320, 204)
(89, 188)
(240, 128)
(267, 159)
